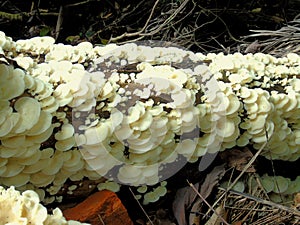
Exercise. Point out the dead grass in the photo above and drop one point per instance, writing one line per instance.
(279, 42)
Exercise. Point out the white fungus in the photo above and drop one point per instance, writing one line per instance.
(24, 208)
(73, 122)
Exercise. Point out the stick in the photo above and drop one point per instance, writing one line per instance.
(241, 174)
(210, 207)
(141, 207)
(265, 202)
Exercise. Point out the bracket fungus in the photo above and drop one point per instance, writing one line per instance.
(25, 208)
(280, 189)
(82, 112)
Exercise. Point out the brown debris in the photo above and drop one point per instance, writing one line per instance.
(238, 158)
(186, 197)
(103, 207)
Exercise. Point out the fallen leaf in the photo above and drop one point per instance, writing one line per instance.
(211, 180)
(45, 30)
(186, 198)
(256, 10)
(238, 158)
(183, 199)
(253, 47)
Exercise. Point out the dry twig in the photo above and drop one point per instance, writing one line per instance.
(263, 201)
(279, 42)
(150, 221)
(249, 164)
(114, 39)
(204, 200)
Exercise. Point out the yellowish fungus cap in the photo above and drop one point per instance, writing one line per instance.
(25, 209)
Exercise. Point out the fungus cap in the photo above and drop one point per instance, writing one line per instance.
(12, 82)
(29, 110)
(25, 209)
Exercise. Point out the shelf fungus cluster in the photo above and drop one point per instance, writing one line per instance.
(25, 208)
(136, 113)
(280, 189)
(269, 91)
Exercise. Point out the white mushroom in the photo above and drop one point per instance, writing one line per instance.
(29, 110)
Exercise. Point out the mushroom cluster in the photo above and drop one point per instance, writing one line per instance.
(268, 90)
(25, 208)
(128, 112)
(151, 194)
(280, 189)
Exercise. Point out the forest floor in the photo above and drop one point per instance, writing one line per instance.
(268, 26)
(201, 26)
